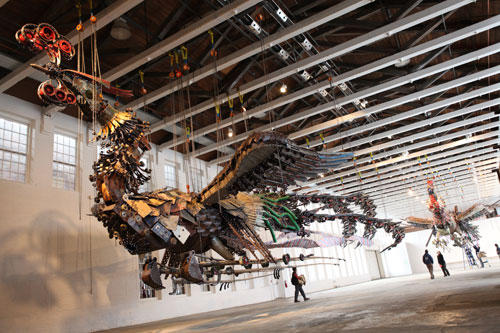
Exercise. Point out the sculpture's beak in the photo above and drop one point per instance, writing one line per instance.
(40, 68)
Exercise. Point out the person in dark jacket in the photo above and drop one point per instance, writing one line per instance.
(298, 286)
(477, 248)
(428, 261)
(442, 263)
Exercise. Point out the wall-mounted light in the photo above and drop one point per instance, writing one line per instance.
(230, 132)
(283, 88)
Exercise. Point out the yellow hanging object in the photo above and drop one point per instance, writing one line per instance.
(217, 111)
(213, 52)
(211, 33)
(184, 52)
(143, 89)
(240, 96)
(307, 142)
(230, 102)
(322, 139)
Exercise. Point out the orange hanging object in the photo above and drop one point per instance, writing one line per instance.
(93, 19)
(213, 52)
(187, 187)
(330, 79)
(143, 91)
(79, 27)
(117, 104)
(260, 17)
(178, 73)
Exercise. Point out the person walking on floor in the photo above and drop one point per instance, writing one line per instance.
(498, 250)
(442, 263)
(477, 248)
(428, 261)
(298, 281)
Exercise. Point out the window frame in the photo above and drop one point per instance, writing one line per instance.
(176, 177)
(73, 136)
(192, 171)
(29, 123)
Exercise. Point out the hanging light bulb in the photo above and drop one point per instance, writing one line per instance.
(120, 30)
(283, 88)
(230, 132)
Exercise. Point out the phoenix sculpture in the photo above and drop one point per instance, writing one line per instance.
(448, 225)
(247, 195)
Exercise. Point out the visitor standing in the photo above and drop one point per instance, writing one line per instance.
(477, 248)
(298, 281)
(428, 261)
(442, 263)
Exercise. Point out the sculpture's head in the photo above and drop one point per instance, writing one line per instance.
(44, 37)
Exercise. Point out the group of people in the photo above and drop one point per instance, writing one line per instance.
(429, 261)
(299, 280)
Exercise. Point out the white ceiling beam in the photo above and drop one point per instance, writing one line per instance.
(446, 150)
(382, 106)
(191, 31)
(242, 54)
(437, 164)
(331, 53)
(421, 183)
(422, 124)
(104, 17)
(401, 197)
(421, 135)
(398, 152)
(395, 178)
(421, 193)
(473, 56)
(406, 99)
(406, 181)
(417, 208)
(400, 158)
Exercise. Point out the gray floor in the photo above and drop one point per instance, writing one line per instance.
(465, 302)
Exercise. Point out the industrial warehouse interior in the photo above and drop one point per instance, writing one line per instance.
(249, 165)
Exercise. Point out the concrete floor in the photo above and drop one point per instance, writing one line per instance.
(465, 302)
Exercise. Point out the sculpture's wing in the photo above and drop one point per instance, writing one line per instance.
(269, 159)
(473, 212)
(414, 223)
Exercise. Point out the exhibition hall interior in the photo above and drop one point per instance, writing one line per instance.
(249, 165)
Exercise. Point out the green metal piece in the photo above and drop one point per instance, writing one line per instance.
(262, 196)
(275, 218)
(270, 229)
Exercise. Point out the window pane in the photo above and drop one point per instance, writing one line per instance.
(64, 165)
(13, 149)
(170, 176)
